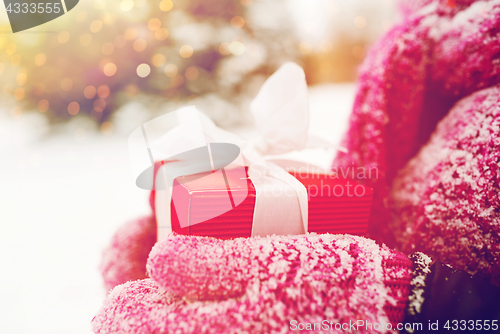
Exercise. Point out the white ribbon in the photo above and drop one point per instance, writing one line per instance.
(281, 112)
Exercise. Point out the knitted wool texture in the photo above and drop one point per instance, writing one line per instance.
(259, 285)
(446, 200)
(125, 257)
(441, 52)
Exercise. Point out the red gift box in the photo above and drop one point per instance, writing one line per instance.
(335, 205)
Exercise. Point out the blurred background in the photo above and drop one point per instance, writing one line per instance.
(73, 89)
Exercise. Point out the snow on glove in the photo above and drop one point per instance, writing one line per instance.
(442, 51)
(447, 199)
(260, 285)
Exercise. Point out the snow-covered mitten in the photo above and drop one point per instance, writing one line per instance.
(275, 284)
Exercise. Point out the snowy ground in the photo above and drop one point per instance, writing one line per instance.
(62, 196)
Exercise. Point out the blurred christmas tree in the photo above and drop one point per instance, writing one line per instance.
(107, 52)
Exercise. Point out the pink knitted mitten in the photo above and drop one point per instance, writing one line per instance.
(125, 258)
(447, 199)
(442, 51)
(261, 285)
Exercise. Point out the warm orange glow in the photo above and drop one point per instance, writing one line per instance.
(120, 41)
(171, 70)
(85, 39)
(108, 48)
(224, 49)
(103, 91)
(191, 73)
(166, 5)
(109, 69)
(130, 33)
(73, 108)
(63, 37)
(96, 26)
(43, 105)
(40, 59)
(89, 92)
(107, 128)
(176, 81)
(19, 93)
(21, 79)
(99, 105)
(140, 45)
(237, 22)
(66, 84)
(186, 51)
(158, 60)
(161, 34)
(154, 24)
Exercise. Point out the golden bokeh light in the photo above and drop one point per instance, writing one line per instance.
(224, 49)
(11, 49)
(176, 81)
(107, 48)
(81, 16)
(109, 69)
(66, 84)
(73, 108)
(171, 70)
(166, 5)
(19, 93)
(96, 26)
(161, 34)
(237, 22)
(326, 46)
(2, 67)
(89, 92)
(246, 2)
(154, 24)
(143, 70)
(97, 115)
(191, 73)
(305, 48)
(85, 39)
(107, 128)
(43, 105)
(15, 60)
(158, 60)
(99, 105)
(103, 91)
(186, 51)
(131, 90)
(38, 89)
(126, 5)
(130, 33)
(120, 41)
(140, 45)
(237, 48)
(40, 59)
(63, 37)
